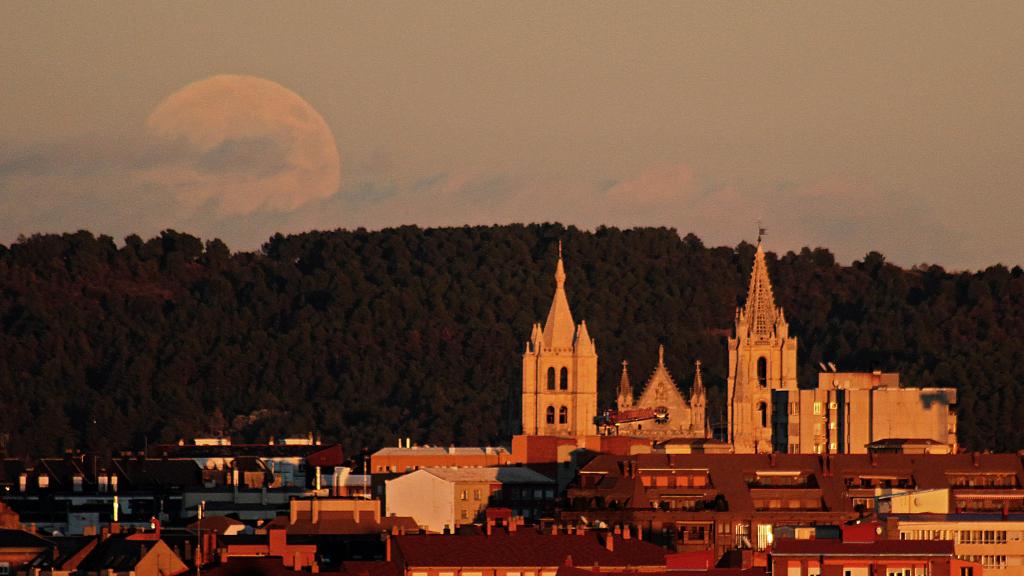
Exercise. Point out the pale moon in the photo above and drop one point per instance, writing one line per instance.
(242, 144)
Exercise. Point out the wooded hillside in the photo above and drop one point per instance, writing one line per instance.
(366, 336)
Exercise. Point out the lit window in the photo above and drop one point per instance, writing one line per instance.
(817, 408)
(464, 496)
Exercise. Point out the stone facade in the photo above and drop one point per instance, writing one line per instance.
(678, 417)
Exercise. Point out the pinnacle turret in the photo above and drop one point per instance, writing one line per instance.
(625, 397)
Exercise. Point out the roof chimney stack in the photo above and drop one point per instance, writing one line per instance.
(609, 541)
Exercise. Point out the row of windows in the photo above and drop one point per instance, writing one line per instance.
(961, 536)
(563, 379)
(563, 415)
(679, 481)
(986, 560)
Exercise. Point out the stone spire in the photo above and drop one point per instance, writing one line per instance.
(698, 404)
(625, 399)
(559, 328)
(759, 314)
(697, 392)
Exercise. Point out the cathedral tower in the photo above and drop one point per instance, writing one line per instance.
(762, 359)
(559, 372)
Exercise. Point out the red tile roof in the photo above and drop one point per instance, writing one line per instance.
(525, 547)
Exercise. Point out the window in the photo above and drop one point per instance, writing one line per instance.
(762, 371)
(551, 378)
(817, 408)
(465, 514)
(551, 413)
(763, 409)
(563, 379)
(464, 496)
(563, 415)
(5, 568)
(476, 493)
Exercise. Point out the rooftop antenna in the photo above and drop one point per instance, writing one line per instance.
(761, 231)
(822, 366)
(832, 366)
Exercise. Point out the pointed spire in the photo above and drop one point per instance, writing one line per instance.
(625, 399)
(697, 391)
(759, 312)
(559, 328)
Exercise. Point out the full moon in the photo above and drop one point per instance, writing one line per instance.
(242, 144)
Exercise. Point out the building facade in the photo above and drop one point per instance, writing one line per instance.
(674, 415)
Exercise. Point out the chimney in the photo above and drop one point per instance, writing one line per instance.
(639, 533)
(625, 532)
(512, 525)
(609, 542)
(387, 547)
(317, 472)
(554, 529)
(618, 530)
(490, 526)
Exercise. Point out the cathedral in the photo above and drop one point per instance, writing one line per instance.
(767, 411)
(674, 415)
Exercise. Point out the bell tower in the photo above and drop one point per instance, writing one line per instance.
(762, 359)
(559, 371)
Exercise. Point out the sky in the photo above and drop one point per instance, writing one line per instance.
(857, 126)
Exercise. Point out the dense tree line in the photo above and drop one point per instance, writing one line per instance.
(368, 336)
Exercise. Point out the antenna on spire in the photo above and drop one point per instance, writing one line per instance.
(761, 232)
(559, 249)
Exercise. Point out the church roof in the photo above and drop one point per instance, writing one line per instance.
(560, 328)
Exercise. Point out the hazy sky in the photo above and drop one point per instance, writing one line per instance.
(896, 127)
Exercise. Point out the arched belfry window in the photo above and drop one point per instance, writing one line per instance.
(762, 371)
(563, 379)
(551, 414)
(762, 408)
(551, 378)
(563, 414)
